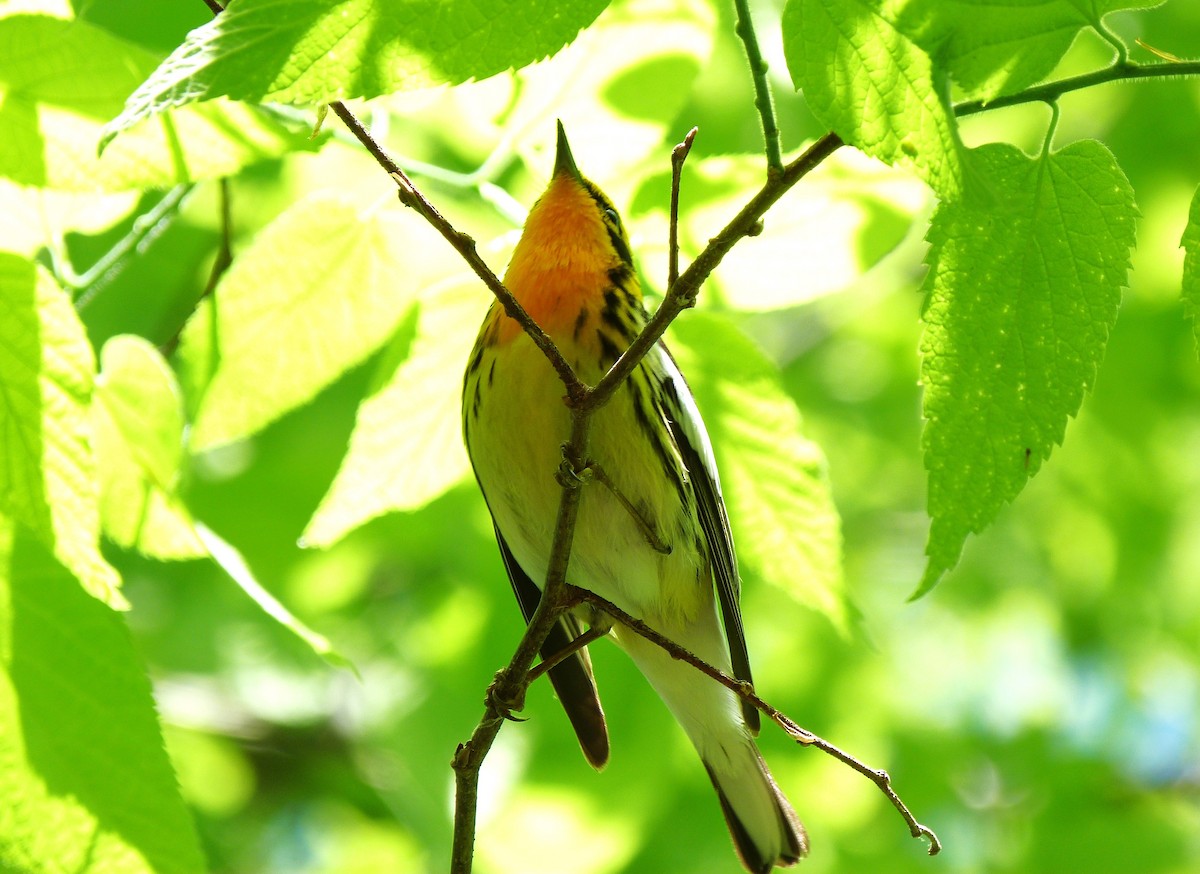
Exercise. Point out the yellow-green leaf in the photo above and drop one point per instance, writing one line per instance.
(138, 417)
(407, 445)
(48, 477)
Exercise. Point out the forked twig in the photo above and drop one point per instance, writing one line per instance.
(746, 691)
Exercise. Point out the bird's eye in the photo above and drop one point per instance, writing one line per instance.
(612, 214)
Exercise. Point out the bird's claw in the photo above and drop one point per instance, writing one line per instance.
(504, 697)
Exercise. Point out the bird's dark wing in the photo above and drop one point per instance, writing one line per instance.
(572, 678)
(695, 449)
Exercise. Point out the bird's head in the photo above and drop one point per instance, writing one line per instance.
(572, 246)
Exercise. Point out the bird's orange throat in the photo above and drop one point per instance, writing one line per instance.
(560, 267)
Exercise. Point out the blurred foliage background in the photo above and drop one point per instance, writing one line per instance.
(1039, 709)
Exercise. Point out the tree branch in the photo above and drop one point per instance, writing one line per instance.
(746, 691)
(762, 89)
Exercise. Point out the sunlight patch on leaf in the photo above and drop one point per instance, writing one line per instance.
(874, 87)
(785, 526)
(314, 294)
(52, 126)
(407, 446)
(37, 218)
(138, 422)
(48, 476)
(819, 240)
(1022, 291)
(615, 89)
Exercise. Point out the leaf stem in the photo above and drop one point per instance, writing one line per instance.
(145, 230)
(762, 89)
(1051, 91)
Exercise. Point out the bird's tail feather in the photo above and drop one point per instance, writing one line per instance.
(766, 831)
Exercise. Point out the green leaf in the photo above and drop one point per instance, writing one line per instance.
(874, 87)
(47, 478)
(407, 444)
(52, 121)
(138, 420)
(990, 48)
(1022, 291)
(1191, 265)
(311, 52)
(315, 293)
(85, 780)
(785, 526)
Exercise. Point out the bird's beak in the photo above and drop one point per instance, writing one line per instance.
(564, 163)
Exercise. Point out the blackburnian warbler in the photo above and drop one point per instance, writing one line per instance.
(653, 537)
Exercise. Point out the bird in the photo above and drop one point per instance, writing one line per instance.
(652, 533)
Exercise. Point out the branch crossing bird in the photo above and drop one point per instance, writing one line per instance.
(652, 535)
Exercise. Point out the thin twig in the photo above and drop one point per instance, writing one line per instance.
(683, 294)
(678, 156)
(746, 691)
(221, 263)
(508, 689)
(762, 89)
(590, 636)
(412, 197)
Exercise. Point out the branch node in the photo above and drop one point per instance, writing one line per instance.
(405, 190)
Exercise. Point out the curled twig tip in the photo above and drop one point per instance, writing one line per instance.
(935, 846)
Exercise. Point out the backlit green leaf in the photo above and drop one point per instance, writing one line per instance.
(52, 125)
(138, 419)
(311, 52)
(48, 478)
(874, 87)
(315, 293)
(85, 780)
(990, 48)
(407, 444)
(1191, 265)
(1022, 291)
(785, 526)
